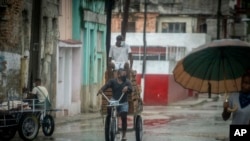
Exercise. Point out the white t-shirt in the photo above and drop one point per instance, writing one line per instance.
(120, 54)
(41, 92)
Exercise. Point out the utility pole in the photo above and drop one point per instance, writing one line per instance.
(144, 39)
(218, 19)
(125, 18)
(109, 7)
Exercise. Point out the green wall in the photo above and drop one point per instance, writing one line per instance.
(92, 35)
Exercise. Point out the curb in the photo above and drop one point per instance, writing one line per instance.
(77, 118)
(191, 102)
(216, 98)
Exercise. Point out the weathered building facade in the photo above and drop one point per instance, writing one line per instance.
(187, 16)
(89, 26)
(11, 49)
(69, 58)
(60, 41)
(28, 40)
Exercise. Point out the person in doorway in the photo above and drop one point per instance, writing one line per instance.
(40, 93)
(239, 103)
(120, 85)
(119, 54)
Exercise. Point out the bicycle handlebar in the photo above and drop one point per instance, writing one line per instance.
(109, 99)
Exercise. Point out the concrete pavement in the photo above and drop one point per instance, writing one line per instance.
(191, 101)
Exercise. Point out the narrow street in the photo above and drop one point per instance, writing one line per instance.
(197, 123)
(161, 123)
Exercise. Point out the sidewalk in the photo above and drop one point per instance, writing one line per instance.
(191, 101)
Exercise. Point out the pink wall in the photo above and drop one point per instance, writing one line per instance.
(176, 92)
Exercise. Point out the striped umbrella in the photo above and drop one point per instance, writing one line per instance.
(220, 63)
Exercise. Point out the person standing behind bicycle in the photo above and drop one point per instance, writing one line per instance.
(120, 85)
(120, 56)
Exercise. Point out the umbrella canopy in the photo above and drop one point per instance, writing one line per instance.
(220, 63)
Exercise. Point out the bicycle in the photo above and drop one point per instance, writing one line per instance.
(111, 123)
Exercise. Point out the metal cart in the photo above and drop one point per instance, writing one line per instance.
(26, 118)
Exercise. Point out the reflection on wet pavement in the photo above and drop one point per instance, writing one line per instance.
(155, 122)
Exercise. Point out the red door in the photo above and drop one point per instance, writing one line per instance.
(156, 89)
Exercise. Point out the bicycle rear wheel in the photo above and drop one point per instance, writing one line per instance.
(138, 128)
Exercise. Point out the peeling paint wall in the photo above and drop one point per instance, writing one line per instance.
(13, 14)
(9, 74)
(48, 43)
(16, 45)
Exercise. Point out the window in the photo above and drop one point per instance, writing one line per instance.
(203, 28)
(3, 3)
(175, 53)
(131, 27)
(155, 57)
(245, 4)
(176, 27)
(156, 53)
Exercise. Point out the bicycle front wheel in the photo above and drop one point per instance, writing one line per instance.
(107, 126)
(112, 130)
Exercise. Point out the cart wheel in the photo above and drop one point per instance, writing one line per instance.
(107, 120)
(138, 128)
(28, 127)
(48, 125)
(7, 133)
(8, 130)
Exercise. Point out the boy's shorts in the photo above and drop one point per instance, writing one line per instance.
(123, 107)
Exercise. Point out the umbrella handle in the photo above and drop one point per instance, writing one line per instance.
(226, 97)
(235, 107)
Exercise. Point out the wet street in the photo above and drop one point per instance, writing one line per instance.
(160, 123)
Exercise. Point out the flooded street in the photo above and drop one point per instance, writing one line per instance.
(160, 123)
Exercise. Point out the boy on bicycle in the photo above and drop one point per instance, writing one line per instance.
(120, 85)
